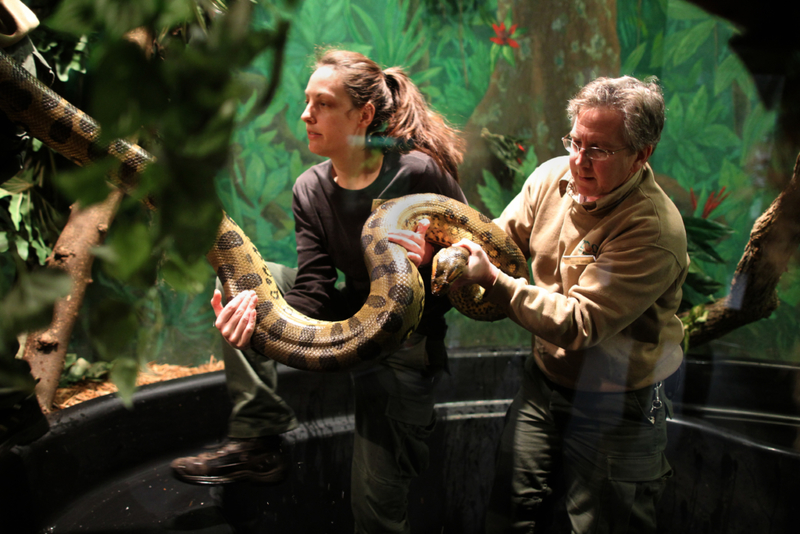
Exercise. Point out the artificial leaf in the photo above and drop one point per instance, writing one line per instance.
(124, 374)
(29, 303)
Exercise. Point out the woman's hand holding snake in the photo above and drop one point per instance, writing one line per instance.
(237, 320)
(420, 252)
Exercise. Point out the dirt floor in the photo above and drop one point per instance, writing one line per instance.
(155, 372)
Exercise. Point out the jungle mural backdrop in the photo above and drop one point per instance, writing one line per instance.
(501, 71)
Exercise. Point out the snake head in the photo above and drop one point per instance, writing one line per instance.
(448, 265)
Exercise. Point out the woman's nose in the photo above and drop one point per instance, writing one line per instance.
(306, 115)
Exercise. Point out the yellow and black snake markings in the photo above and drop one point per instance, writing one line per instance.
(60, 125)
(392, 310)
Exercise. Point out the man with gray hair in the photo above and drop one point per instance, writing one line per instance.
(608, 258)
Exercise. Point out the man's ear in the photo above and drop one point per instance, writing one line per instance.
(367, 114)
(642, 156)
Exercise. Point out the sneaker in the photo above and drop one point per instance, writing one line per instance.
(255, 460)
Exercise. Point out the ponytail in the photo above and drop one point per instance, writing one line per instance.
(401, 112)
(413, 119)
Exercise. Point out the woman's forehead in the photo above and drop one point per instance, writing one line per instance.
(325, 80)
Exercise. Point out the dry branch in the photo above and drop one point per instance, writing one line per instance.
(45, 350)
(753, 294)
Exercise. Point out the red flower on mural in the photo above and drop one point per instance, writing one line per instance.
(713, 200)
(503, 36)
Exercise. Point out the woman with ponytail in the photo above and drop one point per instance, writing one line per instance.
(382, 141)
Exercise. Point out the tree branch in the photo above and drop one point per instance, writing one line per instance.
(774, 238)
(45, 350)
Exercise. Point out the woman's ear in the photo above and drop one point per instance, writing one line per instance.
(367, 114)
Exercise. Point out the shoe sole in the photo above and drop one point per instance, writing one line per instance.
(271, 478)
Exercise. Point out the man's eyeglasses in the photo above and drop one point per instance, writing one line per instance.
(593, 153)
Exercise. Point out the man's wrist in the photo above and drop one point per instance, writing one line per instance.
(491, 278)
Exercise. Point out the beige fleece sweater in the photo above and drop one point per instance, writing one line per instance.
(607, 279)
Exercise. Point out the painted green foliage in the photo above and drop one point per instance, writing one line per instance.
(715, 122)
(716, 125)
(700, 147)
(717, 139)
(448, 59)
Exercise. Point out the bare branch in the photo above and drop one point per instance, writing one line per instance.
(753, 295)
(45, 350)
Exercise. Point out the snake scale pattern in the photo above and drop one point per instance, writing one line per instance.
(394, 306)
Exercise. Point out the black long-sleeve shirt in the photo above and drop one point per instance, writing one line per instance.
(328, 224)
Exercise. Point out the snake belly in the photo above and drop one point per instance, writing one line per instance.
(394, 306)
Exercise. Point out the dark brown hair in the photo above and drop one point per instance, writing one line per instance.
(401, 112)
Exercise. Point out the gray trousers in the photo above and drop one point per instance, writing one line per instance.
(602, 452)
(393, 412)
(394, 417)
(252, 381)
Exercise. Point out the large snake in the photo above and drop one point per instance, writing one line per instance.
(394, 306)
